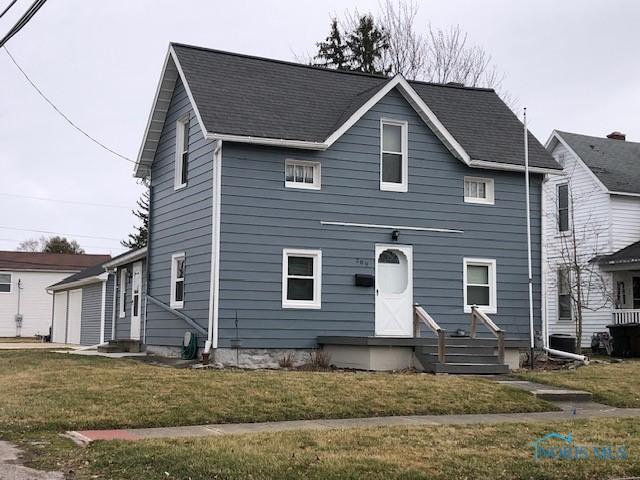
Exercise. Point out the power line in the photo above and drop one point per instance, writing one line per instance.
(26, 17)
(46, 199)
(61, 113)
(8, 7)
(58, 233)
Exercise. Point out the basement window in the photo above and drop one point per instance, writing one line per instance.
(5, 283)
(301, 278)
(177, 280)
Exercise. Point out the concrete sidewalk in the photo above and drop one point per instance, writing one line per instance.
(570, 411)
(33, 345)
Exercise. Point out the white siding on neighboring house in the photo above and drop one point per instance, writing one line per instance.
(35, 303)
(590, 211)
(625, 220)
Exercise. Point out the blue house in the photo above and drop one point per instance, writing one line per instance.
(296, 208)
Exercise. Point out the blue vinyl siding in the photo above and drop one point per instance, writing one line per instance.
(260, 218)
(180, 221)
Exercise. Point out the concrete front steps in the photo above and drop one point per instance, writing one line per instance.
(118, 346)
(463, 355)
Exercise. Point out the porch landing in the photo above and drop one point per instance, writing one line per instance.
(464, 355)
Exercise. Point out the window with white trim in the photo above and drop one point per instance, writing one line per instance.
(301, 174)
(301, 278)
(182, 153)
(479, 283)
(5, 282)
(122, 293)
(564, 294)
(393, 156)
(562, 202)
(177, 280)
(478, 190)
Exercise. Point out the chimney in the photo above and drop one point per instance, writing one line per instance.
(617, 136)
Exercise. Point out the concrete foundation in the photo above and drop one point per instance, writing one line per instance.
(259, 357)
(370, 357)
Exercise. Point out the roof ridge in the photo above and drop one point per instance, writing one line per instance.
(326, 69)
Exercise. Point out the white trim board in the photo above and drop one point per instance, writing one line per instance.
(394, 227)
(214, 287)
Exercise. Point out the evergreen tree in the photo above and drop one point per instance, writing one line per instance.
(332, 53)
(59, 244)
(367, 44)
(139, 238)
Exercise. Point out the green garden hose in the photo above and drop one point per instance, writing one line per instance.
(190, 350)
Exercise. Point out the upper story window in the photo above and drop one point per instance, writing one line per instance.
(478, 190)
(177, 280)
(182, 152)
(5, 283)
(301, 174)
(393, 156)
(479, 278)
(122, 292)
(562, 201)
(301, 278)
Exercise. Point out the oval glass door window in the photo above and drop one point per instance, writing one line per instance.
(393, 272)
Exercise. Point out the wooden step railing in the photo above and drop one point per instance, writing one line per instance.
(420, 316)
(477, 314)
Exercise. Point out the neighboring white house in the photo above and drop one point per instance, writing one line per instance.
(595, 207)
(25, 305)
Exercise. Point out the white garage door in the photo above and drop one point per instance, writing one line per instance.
(60, 317)
(73, 316)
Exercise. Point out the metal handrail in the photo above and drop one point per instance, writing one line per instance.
(421, 315)
(476, 314)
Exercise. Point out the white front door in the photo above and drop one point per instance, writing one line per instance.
(136, 300)
(74, 316)
(394, 290)
(59, 331)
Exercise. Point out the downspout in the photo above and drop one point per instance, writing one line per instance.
(543, 265)
(212, 340)
(145, 266)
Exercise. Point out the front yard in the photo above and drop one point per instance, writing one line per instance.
(430, 452)
(616, 384)
(45, 391)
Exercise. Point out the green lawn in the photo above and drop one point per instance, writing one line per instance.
(45, 391)
(616, 384)
(437, 453)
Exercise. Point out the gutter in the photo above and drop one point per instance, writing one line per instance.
(103, 277)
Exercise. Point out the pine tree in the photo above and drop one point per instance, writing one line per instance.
(367, 44)
(59, 244)
(140, 237)
(332, 53)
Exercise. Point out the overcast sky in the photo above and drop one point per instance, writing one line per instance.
(573, 64)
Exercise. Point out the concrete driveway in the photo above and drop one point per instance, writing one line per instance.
(10, 468)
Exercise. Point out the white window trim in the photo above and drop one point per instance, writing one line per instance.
(404, 185)
(489, 189)
(317, 175)
(10, 281)
(181, 124)
(173, 303)
(122, 293)
(493, 291)
(557, 210)
(317, 279)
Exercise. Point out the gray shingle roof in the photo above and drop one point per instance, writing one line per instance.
(250, 96)
(86, 273)
(628, 254)
(616, 163)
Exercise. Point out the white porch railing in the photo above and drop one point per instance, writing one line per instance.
(626, 315)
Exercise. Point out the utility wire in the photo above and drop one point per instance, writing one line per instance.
(26, 16)
(8, 7)
(62, 114)
(58, 233)
(46, 199)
